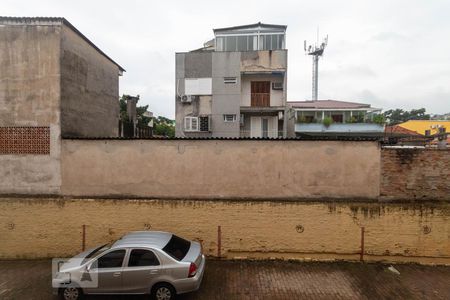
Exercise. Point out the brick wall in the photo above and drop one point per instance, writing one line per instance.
(415, 174)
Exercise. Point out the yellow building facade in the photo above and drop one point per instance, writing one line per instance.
(421, 126)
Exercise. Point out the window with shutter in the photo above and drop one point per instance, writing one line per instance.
(191, 124)
(194, 124)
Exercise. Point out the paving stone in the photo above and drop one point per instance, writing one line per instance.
(261, 280)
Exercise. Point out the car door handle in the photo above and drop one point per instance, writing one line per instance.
(154, 272)
(116, 274)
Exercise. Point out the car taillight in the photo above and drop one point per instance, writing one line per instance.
(192, 270)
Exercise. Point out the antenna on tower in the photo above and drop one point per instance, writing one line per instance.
(316, 51)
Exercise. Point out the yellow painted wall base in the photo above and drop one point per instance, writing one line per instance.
(43, 228)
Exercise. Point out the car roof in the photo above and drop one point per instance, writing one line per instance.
(153, 239)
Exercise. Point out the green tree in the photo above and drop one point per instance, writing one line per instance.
(397, 116)
(164, 126)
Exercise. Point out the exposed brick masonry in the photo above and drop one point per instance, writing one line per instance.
(415, 174)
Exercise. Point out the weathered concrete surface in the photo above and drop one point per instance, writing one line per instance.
(221, 169)
(50, 75)
(30, 96)
(226, 98)
(89, 89)
(33, 228)
(248, 280)
(263, 61)
(419, 174)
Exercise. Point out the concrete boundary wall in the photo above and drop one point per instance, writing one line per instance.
(215, 169)
(38, 228)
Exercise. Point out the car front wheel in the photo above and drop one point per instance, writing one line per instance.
(163, 291)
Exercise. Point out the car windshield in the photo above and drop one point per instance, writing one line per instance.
(96, 251)
(177, 247)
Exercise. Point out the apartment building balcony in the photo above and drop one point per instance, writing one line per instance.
(346, 129)
(261, 109)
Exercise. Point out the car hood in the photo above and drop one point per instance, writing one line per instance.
(75, 261)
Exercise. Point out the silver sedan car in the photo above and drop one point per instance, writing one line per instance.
(141, 262)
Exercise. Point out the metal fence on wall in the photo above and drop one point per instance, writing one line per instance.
(128, 130)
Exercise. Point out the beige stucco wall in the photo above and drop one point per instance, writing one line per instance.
(32, 228)
(89, 89)
(29, 96)
(221, 169)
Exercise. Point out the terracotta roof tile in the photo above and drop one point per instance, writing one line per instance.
(398, 130)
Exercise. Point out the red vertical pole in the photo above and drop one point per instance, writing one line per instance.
(361, 258)
(83, 245)
(219, 241)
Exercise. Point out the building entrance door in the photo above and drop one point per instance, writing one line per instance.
(265, 127)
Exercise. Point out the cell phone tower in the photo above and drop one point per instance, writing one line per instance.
(316, 51)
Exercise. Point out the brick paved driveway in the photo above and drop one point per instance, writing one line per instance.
(265, 280)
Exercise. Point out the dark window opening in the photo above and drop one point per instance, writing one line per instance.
(309, 119)
(337, 118)
(177, 247)
(112, 259)
(142, 257)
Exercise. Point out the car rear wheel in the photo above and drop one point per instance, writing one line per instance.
(163, 291)
(71, 293)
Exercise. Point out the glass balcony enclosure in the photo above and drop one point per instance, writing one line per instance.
(337, 116)
(251, 37)
(250, 42)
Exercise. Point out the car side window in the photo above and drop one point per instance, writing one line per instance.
(142, 257)
(113, 259)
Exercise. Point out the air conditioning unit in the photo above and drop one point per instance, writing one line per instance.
(187, 98)
(277, 86)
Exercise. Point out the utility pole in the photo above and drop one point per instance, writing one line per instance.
(316, 51)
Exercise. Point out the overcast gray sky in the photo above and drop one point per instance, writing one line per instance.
(389, 53)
